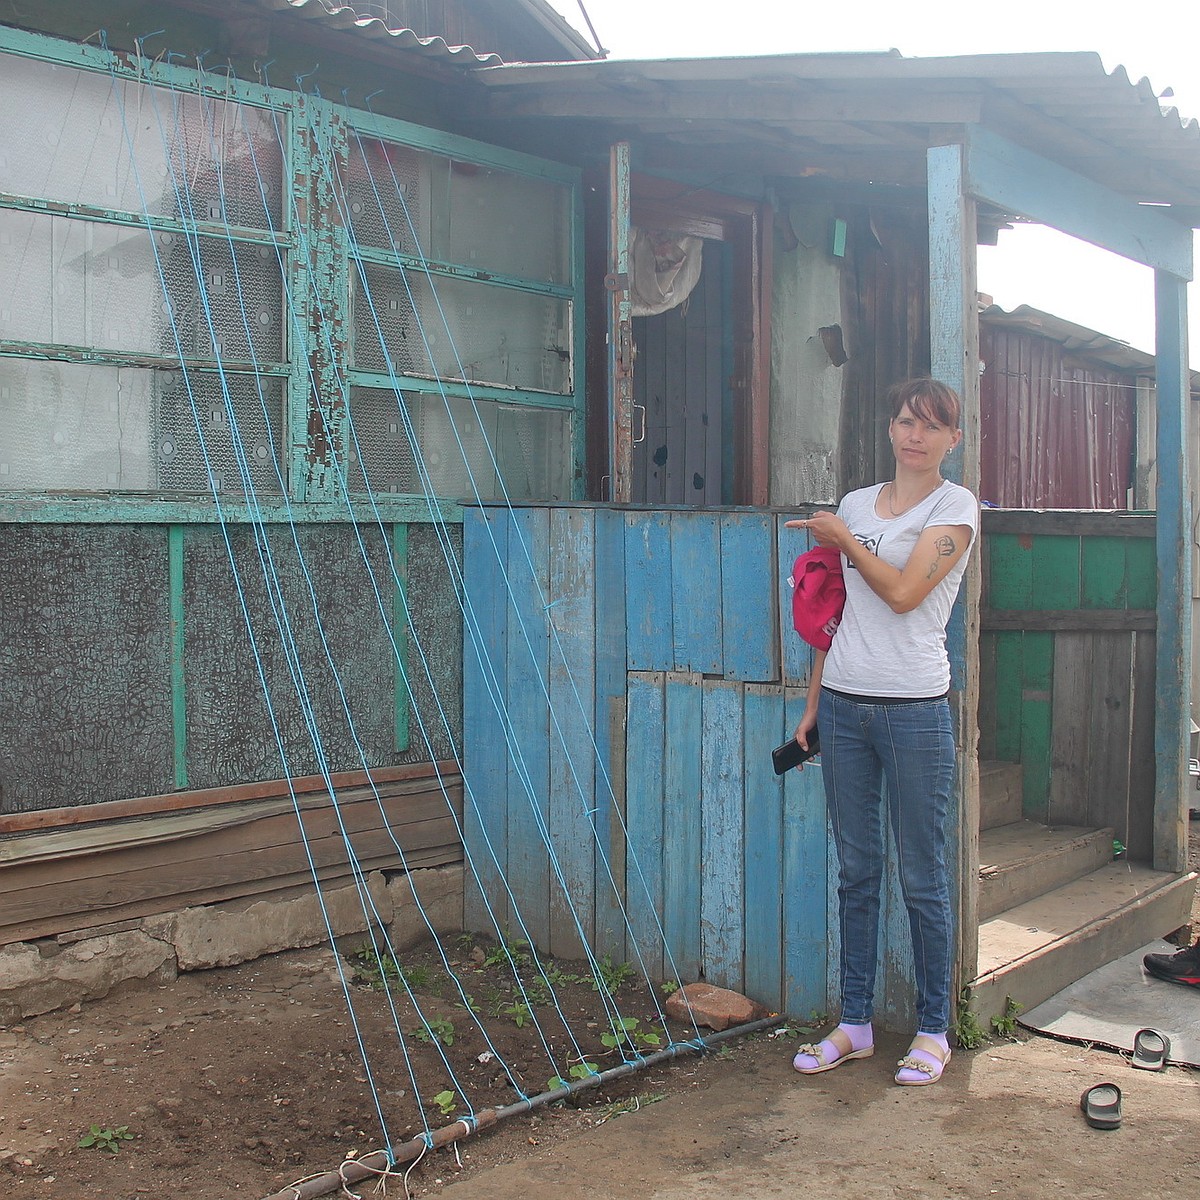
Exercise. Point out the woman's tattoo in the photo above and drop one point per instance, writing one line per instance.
(944, 547)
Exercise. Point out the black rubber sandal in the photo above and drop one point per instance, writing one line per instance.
(1101, 1106)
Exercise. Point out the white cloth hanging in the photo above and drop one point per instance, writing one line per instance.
(663, 268)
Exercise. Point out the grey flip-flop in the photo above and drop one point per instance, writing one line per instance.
(1101, 1106)
(1151, 1049)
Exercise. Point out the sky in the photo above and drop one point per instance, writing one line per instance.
(1031, 264)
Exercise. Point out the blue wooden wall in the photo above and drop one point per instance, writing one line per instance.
(626, 675)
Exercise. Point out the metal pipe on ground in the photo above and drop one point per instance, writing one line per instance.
(378, 1163)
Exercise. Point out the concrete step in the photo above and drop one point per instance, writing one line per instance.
(999, 794)
(1034, 950)
(1023, 859)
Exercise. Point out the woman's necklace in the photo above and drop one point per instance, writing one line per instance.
(891, 492)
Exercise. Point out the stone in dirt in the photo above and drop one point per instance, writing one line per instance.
(714, 1007)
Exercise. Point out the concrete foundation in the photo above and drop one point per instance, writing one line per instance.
(38, 977)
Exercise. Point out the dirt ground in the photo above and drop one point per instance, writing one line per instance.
(239, 1081)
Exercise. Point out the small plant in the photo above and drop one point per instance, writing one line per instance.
(626, 1031)
(968, 1033)
(436, 1029)
(106, 1139)
(611, 975)
(446, 1102)
(1006, 1024)
(556, 975)
(508, 951)
(520, 1013)
(465, 941)
(468, 1002)
(536, 992)
(578, 1071)
(669, 987)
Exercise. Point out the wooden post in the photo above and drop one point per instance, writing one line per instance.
(620, 330)
(1174, 545)
(954, 354)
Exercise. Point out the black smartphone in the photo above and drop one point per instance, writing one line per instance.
(792, 754)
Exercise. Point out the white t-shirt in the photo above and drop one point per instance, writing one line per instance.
(878, 652)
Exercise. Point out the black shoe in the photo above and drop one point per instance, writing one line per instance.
(1181, 967)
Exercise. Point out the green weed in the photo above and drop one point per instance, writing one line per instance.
(612, 975)
(520, 1013)
(446, 1102)
(968, 1033)
(435, 1029)
(1006, 1024)
(106, 1138)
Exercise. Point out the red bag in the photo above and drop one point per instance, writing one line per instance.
(819, 595)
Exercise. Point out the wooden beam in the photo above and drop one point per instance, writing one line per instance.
(1174, 542)
(1019, 181)
(1068, 620)
(1046, 521)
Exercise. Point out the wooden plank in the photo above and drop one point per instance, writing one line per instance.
(696, 566)
(1110, 734)
(426, 819)
(987, 697)
(1010, 571)
(138, 806)
(486, 904)
(1030, 521)
(795, 655)
(1071, 729)
(527, 657)
(1140, 840)
(644, 819)
(1007, 685)
(810, 942)
(682, 799)
(722, 940)
(1071, 620)
(209, 892)
(1055, 568)
(1141, 581)
(610, 682)
(748, 597)
(572, 601)
(1103, 573)
(648, 599)
(1019, 181)
(765, 884)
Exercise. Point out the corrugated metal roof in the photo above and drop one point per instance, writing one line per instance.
(340, 16)
(871, 116)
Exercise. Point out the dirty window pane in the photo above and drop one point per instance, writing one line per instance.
(446, 210)
(86, 138)
(460, 329)
(90, 427)
(531, 447)
(82, 283)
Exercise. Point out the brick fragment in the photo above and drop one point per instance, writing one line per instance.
(713, 1007)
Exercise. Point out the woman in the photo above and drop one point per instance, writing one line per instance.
(878, 696)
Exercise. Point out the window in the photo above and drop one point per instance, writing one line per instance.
(178, 317)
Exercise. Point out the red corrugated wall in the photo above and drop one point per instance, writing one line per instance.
(1056, 433)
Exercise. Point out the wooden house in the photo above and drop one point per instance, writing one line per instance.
(336, 461)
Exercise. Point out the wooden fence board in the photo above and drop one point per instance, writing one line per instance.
(647, 593)
(644, 819)
(1008, 686)
(1010, 570)
(1103, 566)
(795, 656)
(1140, 839)
(1055, 572)
(1110, 730)
(1070, 745)
(763, 860)
(1141, 573)
(682, 801)
(749, 597)
(807, 859)
(572, 601)
(609, 848)
(722, 937)
(485, 744)
(696, 616)
(527, 656)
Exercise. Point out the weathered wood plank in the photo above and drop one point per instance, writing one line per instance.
(1110, 718)
(486, 904)
(809, 958)
(1007, 686)
(1069, 620)
(722, 937)
(1071, 729)
(528, 779)
(609, 846)
(1055, 566)
(648, 599)
(764, 852)
(572, 601)
(682, 801)
(696, 622)
(644, 818)
(1140, 840)
(1103, 569)
(749, 597)
(1037, 667)
(1015, 521)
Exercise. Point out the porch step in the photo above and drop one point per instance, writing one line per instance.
(999, 794)
(1034, 950)
(1022, 860)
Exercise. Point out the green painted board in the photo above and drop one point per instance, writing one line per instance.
(1141, 573)
(1055, 572)
(1010, 571)
(1035, 757)
(1007, 687)
(1104, 572)
(1037, 660)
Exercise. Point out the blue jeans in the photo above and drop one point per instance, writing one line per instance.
(910, 747)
